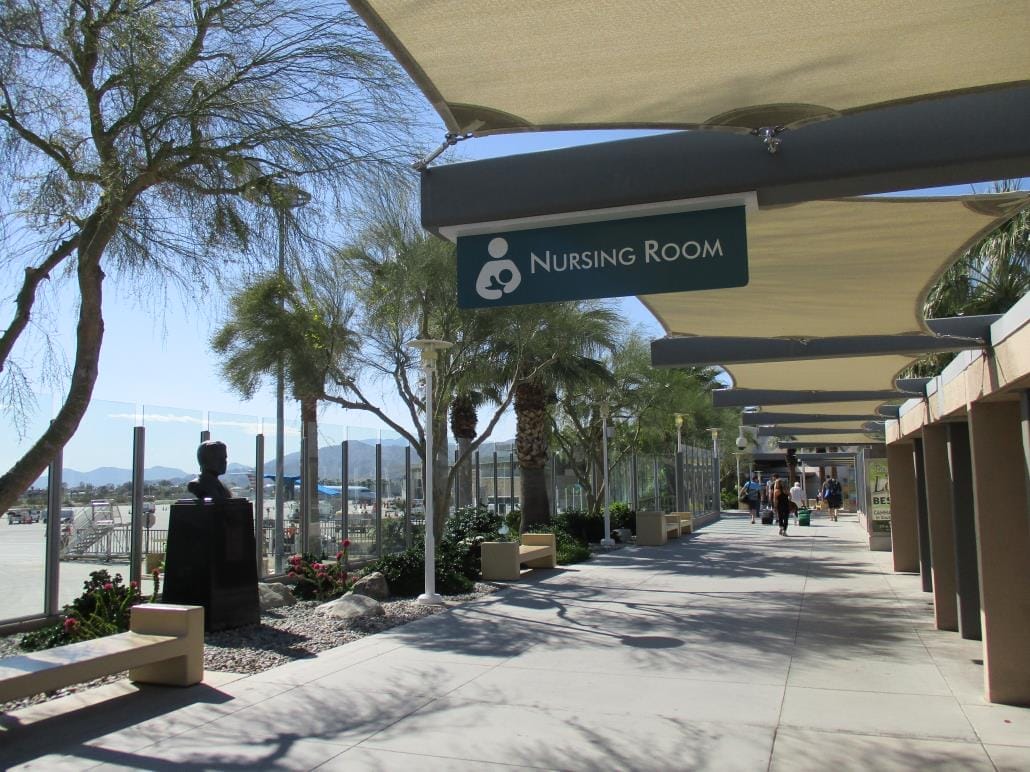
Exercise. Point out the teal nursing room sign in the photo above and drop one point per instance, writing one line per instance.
(678, 252)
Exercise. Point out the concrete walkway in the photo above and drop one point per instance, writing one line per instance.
(733, 649)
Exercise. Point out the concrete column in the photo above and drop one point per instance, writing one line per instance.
(922, 516)
(902, 478)
(999, 491)
(967, 573)
(942, 528)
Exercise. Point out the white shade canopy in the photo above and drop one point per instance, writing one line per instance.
(857, 266)
(509, 65)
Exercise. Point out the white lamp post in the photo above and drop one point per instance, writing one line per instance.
(717, 501)
(606, 540)
(429, 349)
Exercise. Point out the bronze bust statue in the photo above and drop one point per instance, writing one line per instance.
(213, 458)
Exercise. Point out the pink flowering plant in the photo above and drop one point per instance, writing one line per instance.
(102, 609)
(320, 579)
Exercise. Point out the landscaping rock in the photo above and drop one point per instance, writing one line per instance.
(351, 606)
(374, 586)
(274, 595)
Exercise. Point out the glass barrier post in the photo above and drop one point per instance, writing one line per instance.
(344, 487)
(478, 491)
(379, 499)
(259, 503)
(407, 497)
(53, 536)
(136, 518)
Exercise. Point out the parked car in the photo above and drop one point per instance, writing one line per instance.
(23, 516)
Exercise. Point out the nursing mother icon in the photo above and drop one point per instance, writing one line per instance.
(498, 276)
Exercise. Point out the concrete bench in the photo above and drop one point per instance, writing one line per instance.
(164, 645)
(500, 560)
(672, 525)
(651, 529)
(686, 521)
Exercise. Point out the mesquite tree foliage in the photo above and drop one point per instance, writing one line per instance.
(151, 139)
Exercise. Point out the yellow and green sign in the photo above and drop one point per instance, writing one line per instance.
(879, 495)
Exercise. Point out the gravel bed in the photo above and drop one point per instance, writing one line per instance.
(285, 634)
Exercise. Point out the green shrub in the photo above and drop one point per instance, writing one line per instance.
(317, 580)
(569, 549)
(473, 524)
(102, 609)
(622, 516)
(456, 567)
(582, 526)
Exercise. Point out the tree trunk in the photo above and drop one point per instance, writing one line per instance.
(532, 425)
(463, 429)
(89, 335)
(309, 474)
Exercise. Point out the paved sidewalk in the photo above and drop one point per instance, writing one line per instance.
(733, 649)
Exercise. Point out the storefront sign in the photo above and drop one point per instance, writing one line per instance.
(678, 252)
(879, 496)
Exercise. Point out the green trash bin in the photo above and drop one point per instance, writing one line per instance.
(804, 517)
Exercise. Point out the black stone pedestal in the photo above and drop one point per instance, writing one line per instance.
(211, 561)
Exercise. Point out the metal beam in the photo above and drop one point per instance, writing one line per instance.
(806, 431)
(689, 351)
(745, 397)
(933, 142)
(914, 385)
(964, 326)
(825, 459)
(769, 419)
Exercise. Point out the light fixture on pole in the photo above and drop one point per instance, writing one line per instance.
(429, 349)
(281, 197)
(679, 432)
(716, 501)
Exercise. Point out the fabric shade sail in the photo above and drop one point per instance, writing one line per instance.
(845, 374)
(844, 267)
(510, 65)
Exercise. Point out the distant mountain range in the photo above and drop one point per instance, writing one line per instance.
(361, 464)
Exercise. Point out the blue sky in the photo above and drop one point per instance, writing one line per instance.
(159, 358)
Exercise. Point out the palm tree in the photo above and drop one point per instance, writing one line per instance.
(990, 278)
(277, 324)
(564, 354)
(464, 420)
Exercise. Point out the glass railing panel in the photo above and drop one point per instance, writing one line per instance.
(330, 493)
(98, 488)
(172, 436)
(392, 486)
(23, 525)
(361, 492)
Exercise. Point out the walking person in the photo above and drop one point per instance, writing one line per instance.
(797, 496)
(832, 496)
(781, 505)
(751, 492)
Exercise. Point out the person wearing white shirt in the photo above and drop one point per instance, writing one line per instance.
(798, 496)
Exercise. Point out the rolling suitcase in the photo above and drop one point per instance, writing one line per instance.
(767, 517)
(804, 517)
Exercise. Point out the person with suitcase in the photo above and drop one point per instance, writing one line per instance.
(751, 492)
(781, 505)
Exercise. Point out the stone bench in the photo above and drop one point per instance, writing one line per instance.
(164, 645)
(500, 560)
(651, 529)
(672, 525)
(686, 521)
